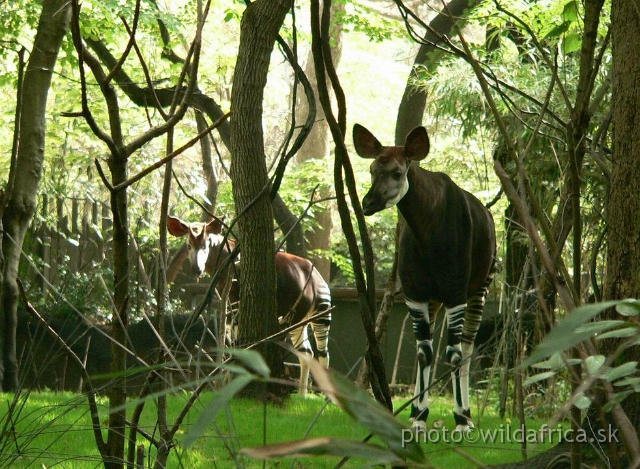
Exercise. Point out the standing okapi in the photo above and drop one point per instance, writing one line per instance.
(446, 256)
(301, 290)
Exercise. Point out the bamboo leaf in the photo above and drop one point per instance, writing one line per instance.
(538, 377)
(556, 362)
(339, 447)
(565, 334)
(621, 371)
(598, 327)
(220, 401)
(252, 360)
(365, 410)
(582, 402)
(616, 399)
(628, 308)
(594, 363)
(623, 333)
(631, 381)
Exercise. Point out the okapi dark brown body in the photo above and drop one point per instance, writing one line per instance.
(446, 256)
(451, 255)
(301, 290)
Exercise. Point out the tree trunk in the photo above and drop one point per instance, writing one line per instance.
(207, 168)
(414, 100)
(316, 146)
(26, 174)
(260, 25)
(623, 262)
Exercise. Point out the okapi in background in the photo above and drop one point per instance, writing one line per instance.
(446, 256)
(301, 290)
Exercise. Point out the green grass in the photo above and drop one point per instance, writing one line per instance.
(53, 430)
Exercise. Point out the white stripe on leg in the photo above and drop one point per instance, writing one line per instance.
(462, 407)
(301, 343)
(455, 322)
(304, 378)
(467, 350)
(420, 321)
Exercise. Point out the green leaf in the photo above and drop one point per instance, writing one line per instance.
(252, 360)
(598, 327)
(620, 371)
(365, 410)
(594, 363)
(631, 381)
(623, 333)
(538, 377)
(572, 42)
(565, 334)
(570, 12)
(616, 399)
(629, 308)
(582, 402)
(220, 401)
(324, 447)
(557, 30)
(556, 362)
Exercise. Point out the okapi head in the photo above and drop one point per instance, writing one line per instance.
(389, 182)
(199, 239)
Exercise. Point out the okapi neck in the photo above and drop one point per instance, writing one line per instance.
(423, 197)
(219, 251)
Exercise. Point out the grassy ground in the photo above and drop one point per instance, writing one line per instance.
(53, 430)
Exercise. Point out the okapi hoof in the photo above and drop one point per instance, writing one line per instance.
(454, 355)
(464, 424)
(464, 429)
(418, 426)
(419, 418)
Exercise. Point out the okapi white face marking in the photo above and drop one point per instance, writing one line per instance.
(389, 182)
(201, 238)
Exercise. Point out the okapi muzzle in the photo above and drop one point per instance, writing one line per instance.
(388, 186)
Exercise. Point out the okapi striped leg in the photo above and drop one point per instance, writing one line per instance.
(458, 355)
(421, 314)
(472, 319)
(322, 325)
(455, 323)
(300, 341)
(321, 328)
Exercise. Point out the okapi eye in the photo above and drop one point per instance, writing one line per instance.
(397, 175)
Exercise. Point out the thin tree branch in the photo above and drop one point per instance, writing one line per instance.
(130, 43)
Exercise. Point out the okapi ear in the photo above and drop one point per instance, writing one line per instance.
(416, 146)
(367, 146)
(215, 225)
(177, 227)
